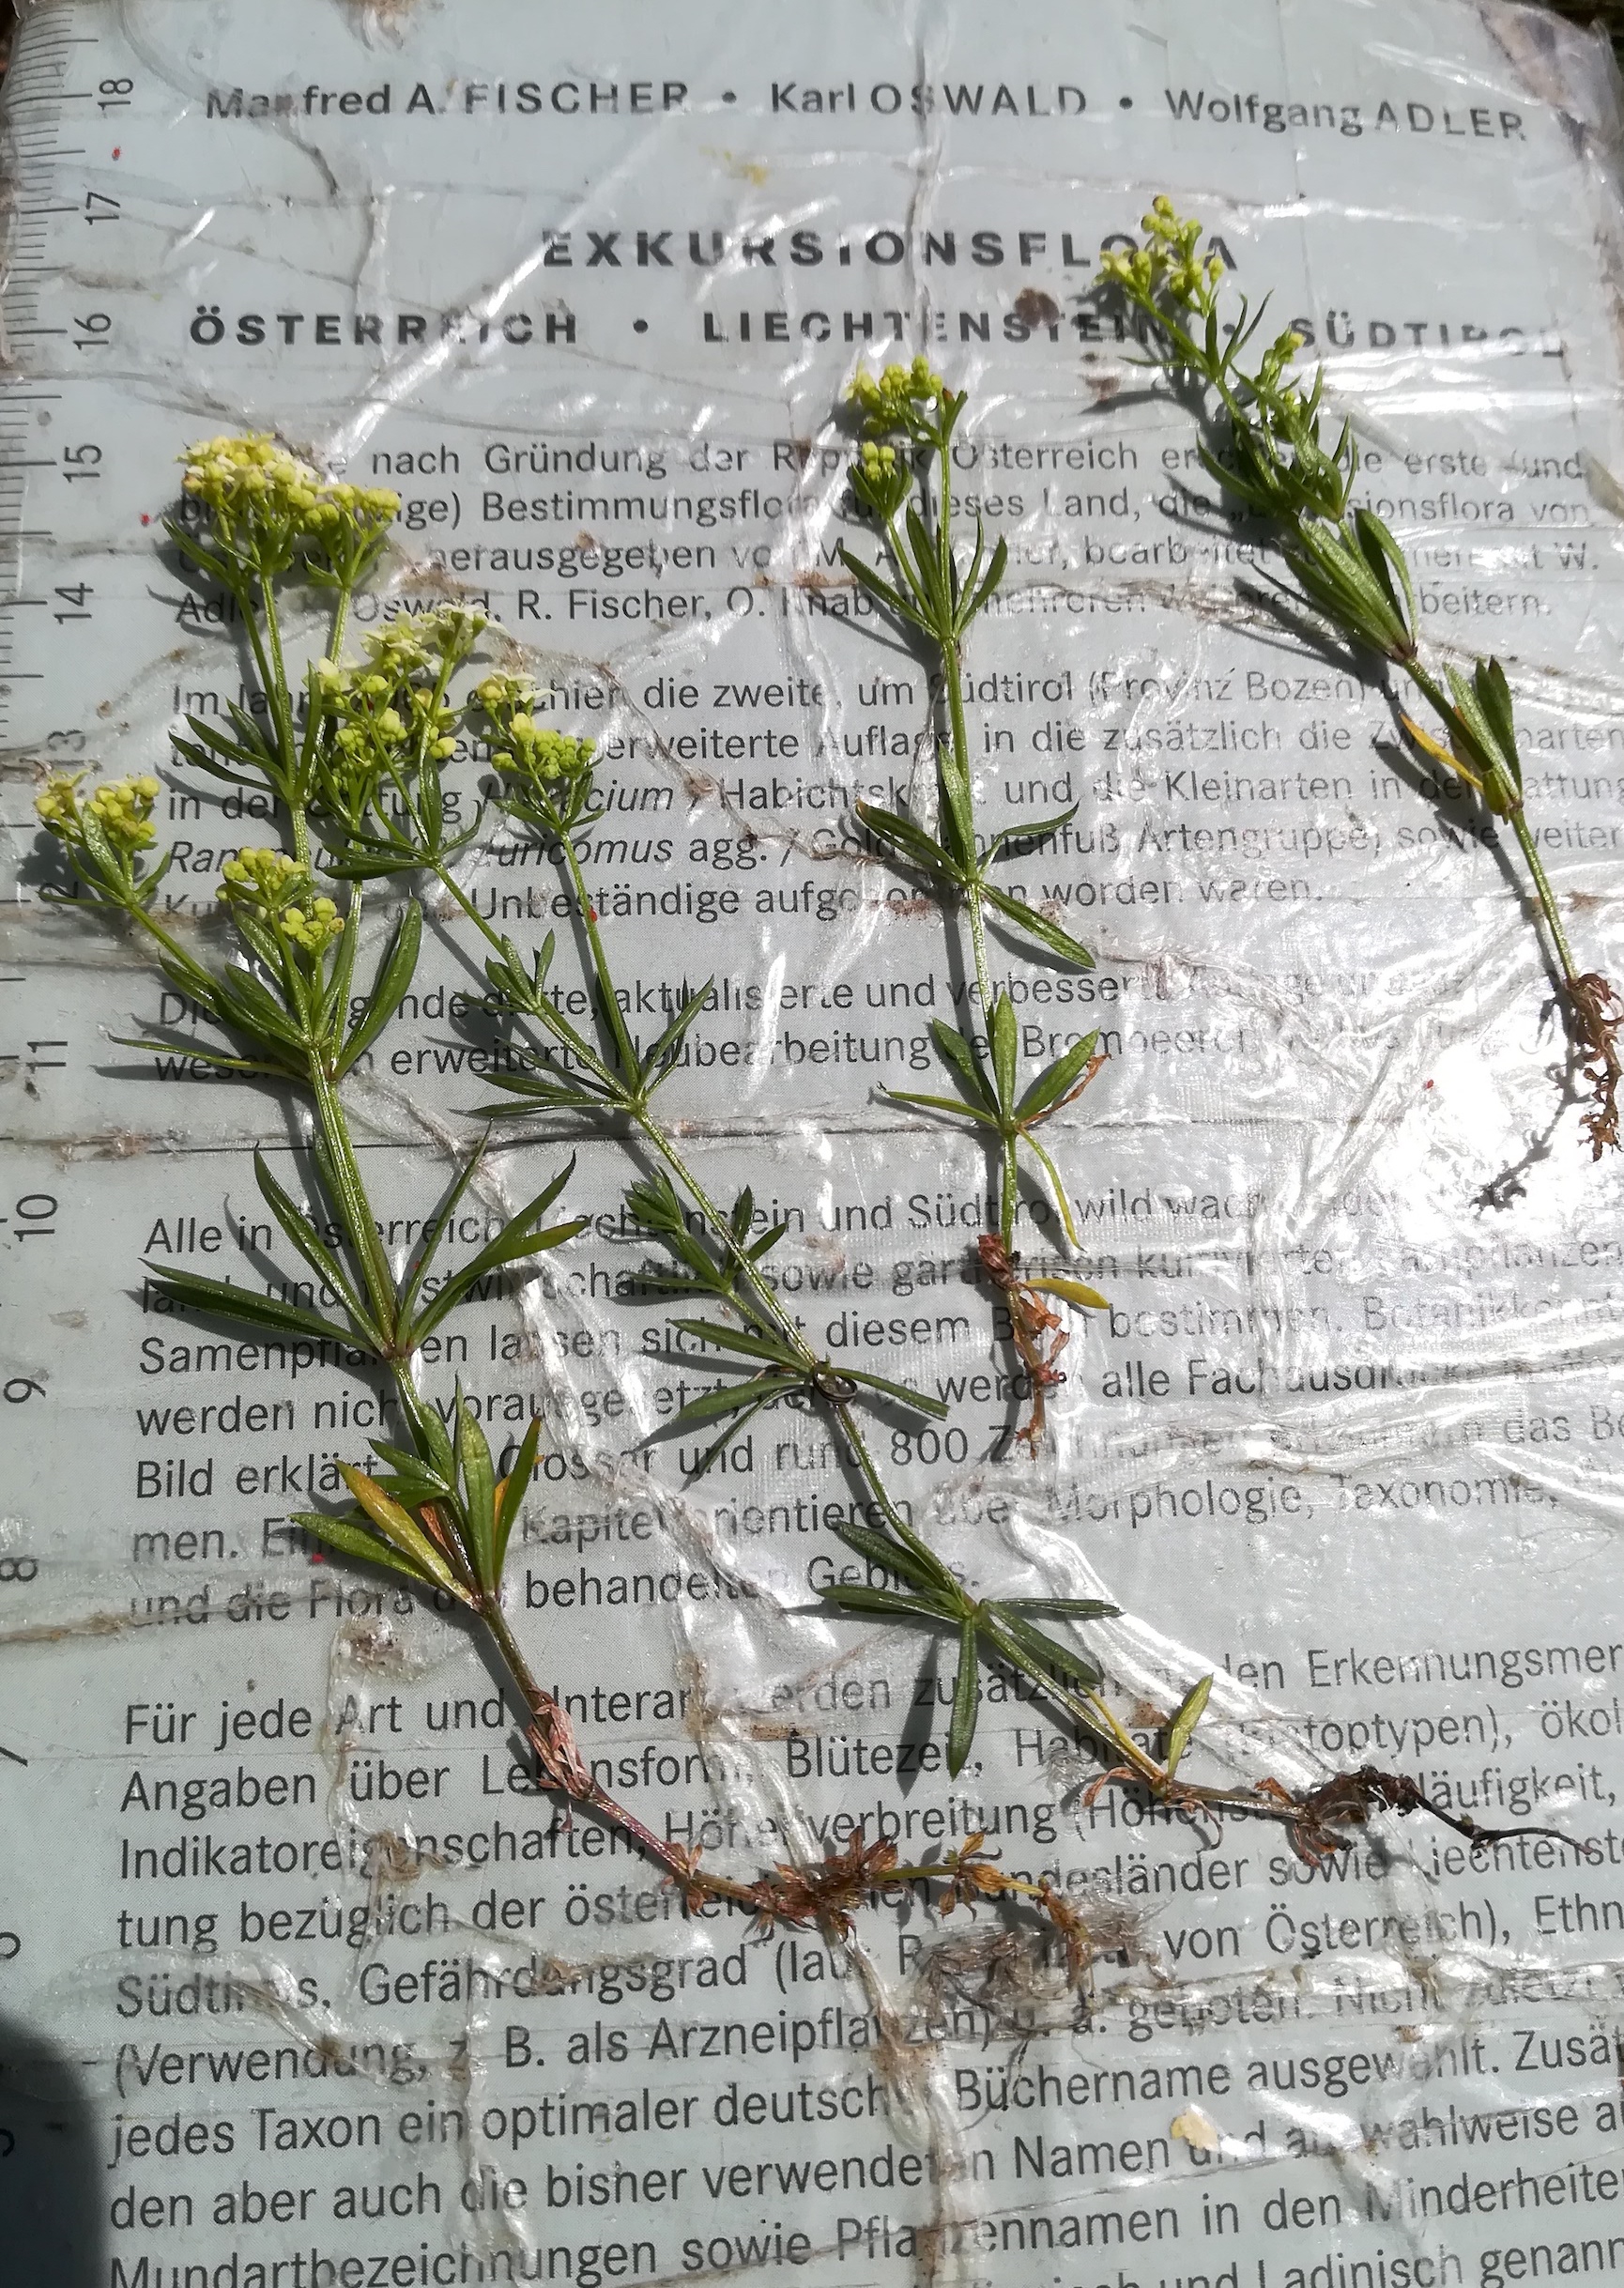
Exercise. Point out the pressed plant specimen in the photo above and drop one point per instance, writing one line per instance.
(903, 479)
(1267, 449)
(355, 756)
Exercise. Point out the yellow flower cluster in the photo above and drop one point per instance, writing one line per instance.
(878, 462)
(277, 891)
(252, 482)
(522, 747)
(122, 810)
(1168, 261)
(895, 398)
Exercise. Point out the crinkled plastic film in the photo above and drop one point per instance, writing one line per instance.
(302, 1983)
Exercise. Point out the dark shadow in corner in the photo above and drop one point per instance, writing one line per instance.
(52, 2190)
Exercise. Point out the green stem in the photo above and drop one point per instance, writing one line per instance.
(274, 679)
(550, 1732)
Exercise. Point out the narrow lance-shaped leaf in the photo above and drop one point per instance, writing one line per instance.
(400, 1531)
(357, 1541)
(664, 1053)
(1029, 830)
(1071, 1290)
(478, 1492)
(978, 600)
(1068, 1608)
(1182, 1729)
(924, 1570)
(412, 1278)
(516, 1240)
(512, 1490)
(1037, 926)
(941, 1105)
(911, 841)
(1058, 1079)
(966, 1701)
(732, 1339)
(953, 1047)
(219, 1297)
(1005, 1043)
(853, 1597)
(728, 1399)
(1042, 1652)
(881, 590)
(321, 1259)
(393, 980)
(903, 1392)
(957, 809)
(703, 1464)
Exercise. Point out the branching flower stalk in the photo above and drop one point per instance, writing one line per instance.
(357, 772)
(903, 479)
(1265, 449)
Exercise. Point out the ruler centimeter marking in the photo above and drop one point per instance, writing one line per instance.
(36, 95)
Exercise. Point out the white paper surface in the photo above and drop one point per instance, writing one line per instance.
(302, 1986)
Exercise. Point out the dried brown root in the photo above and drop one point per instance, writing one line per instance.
(1349, 1799)
(1035, 1330)
(1598, 1013)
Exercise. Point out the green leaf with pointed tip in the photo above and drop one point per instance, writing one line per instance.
(664, 1053)
(1030, 830)
(881, 590)
(512, 1491)
(398, 1458)
(333, 997)
(353, 1539)
(1495, 698)
(188, 752)
(400, 1530)
(1042, 1651)
(926, 1571)
(221, 1298)
(758, 1392)
(730, 1338)
(245, 1003)
(1384, 557)
(321, 1259)
(1006, 1043)
(959, 1053)
(517, 1239)
(768, 1241)
(926, 564)
(204, 1056)
(654, 1204)
(956, 804)
(1067, 1608)
(966, 1701)
(983, 595)
(903, 834)
(1037, 926)
(1182, 1729)
(904, 1392)
(852, 1597)
(412, 1278)
(1070, 1290)
(941, 1105)
(479, 1493)
(1058, 1079)
(394, 976)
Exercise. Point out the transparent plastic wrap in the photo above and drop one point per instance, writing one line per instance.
(308, 1979)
